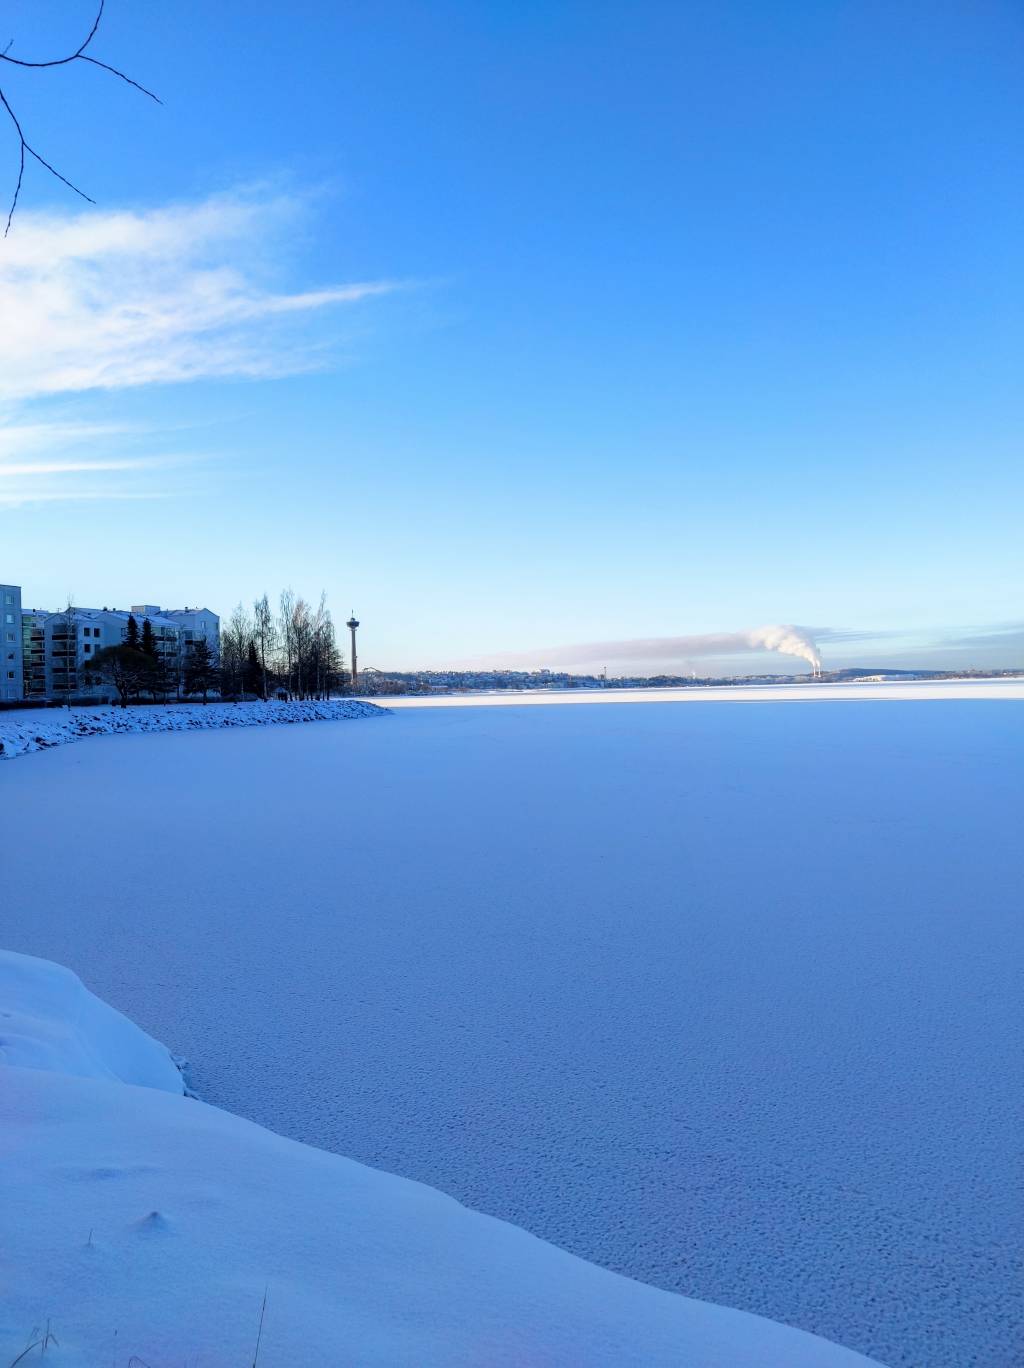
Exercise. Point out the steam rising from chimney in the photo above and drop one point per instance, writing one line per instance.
(787, 641)
(783, 638)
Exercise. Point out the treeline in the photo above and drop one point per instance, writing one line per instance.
(292, 651)
(261, 654)
(141, 665)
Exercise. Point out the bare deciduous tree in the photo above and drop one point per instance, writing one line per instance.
(286, 629)
(25, 148)
(264, 635)
(235, 638)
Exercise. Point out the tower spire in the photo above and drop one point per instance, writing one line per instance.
(352, 624)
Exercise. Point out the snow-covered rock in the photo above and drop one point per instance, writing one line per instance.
(146, 1227)
(39, 729)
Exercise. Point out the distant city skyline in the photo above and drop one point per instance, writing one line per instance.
(520, 325)
(997, 647)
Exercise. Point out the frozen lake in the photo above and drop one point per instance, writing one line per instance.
(726, 998)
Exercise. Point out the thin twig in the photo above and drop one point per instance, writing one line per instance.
(41, 1344)
(114, 72)
(36, 1345)
(21, 162)
(25, 147)
(259, 1333)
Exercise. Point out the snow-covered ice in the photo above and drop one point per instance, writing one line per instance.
(142, 1227)
(868, 690)
(23, 731)
(727, 998)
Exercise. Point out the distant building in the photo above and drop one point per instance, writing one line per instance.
(11, 662)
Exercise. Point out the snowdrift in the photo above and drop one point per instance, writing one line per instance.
(23, 732)
(138, 1222)
(49, 1020)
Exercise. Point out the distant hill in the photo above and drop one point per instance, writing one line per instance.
(840, 675)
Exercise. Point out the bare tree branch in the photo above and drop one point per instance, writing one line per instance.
(25, 147)
(63, 61)
(114, 72)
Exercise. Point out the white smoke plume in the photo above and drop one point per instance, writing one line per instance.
(786, 640)
(783, 638)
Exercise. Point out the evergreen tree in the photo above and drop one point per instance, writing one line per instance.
(148, 639)
(161, 680)
(252, 679)
(200, 674)
(132, 639)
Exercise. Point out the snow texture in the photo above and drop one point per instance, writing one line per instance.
(36, 729)
(723, 997)
(143, 1227)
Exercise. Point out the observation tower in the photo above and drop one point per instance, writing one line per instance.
(352, 624)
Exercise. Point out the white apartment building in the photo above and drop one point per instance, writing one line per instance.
(50, 652)
(11, 654)
(71, 638)
(175, 633)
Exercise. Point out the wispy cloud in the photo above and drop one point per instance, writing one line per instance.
(64, 467)
(22, 436)
(1008, 634)
(113, 300)
(63, 462)
(102, 301)
(20, 498)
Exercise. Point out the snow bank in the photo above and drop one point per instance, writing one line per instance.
(49, 1020)
(137, 1223)
(22, 732)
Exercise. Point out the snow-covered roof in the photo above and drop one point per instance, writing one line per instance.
(121, 614)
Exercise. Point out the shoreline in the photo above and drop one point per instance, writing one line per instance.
(49, 727)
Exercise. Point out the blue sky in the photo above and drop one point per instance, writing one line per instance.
(515, 325)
